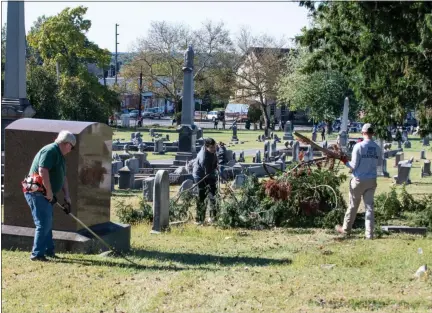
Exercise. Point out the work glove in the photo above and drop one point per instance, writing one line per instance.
(53, 200)
(66, 207)
(344, 159)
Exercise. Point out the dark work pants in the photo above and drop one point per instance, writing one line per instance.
(205, 187)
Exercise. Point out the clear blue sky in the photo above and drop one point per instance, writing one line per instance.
(275, 19)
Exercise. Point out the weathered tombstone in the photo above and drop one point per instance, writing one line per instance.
(186, 185)
(267, 146)
(273, 149)
(271, 135)
(234, 131)
(311, 153)
(288, 129)
(234, 156)
(382, 163)
(426, 169)
(295, 151)
(160, 201)
(258, 157)
(407, 144)
(241, 157)
(199, 133)
(132, 135)
(88, 171)
(229, 155)
(398, 157)
(314, 136)
(116, 166)
(402, 176)
(343, 141)
(147, 185)
(239, 181)
(259, 138)
(282, 161)
(125, 179)
(286, 144)
(152, 132)
(422, 155)
(158, 147)
(426, 141)
(167, 138)
(133, 165)
(266, 156)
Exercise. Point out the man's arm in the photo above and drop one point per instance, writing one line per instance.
(44, 173)
(355, 158)
(65, 189)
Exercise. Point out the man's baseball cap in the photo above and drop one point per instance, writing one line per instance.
(367, 128)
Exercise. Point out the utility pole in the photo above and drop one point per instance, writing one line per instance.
(116, 44)
(140, 94)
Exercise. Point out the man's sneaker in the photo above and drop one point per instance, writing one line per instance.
(39, 258)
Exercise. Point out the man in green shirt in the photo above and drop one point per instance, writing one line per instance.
(49, 164)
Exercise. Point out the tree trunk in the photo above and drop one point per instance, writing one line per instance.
(266, 120)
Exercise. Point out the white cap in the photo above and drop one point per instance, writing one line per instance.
(367, 128)
(66, 136)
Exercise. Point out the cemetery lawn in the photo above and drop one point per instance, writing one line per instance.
(204, 269)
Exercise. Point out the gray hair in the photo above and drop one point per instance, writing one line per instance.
(66, 136)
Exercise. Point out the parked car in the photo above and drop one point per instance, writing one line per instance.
(147, 113)
(133, 114)
(157, 113)
(212, 115)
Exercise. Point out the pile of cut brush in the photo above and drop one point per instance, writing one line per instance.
(305, 195)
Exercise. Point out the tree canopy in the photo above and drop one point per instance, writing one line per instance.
(385, 51)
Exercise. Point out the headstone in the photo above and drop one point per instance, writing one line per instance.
(426, 169)
(258, 157)
(422, 155)
(398, 157)
(266, 156)
(295, 151)
(199, 133)
(311, 153)
(125, 180)
(239, 181)
(314, 136)
(273, 149)
(407, 144)
(426, 141)
(382, 164)
(152, 132)
(234, 156)
(402, 176)
(282, 161)
(159, 147)
(263, 137)
(148, 184)
(266, 146)
(167, 138)
(286, 144)
(288, 129)
(132, 135)
(234, 132)
(241, 157)
(160, 201)
(116, 166)
(186, 185)
(276, 138)
(271, 135)
(404, 135)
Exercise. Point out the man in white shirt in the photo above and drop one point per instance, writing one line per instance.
(364, 162)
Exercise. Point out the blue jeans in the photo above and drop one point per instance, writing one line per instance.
(42, 212)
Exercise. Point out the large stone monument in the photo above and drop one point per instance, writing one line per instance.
(187, 130)
(89, 177)
(15, 104)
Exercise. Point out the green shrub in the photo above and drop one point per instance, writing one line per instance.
(129, 215)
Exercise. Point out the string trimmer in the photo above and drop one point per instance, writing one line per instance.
(66, 209)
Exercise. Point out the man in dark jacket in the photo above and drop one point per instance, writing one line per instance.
(204, 172)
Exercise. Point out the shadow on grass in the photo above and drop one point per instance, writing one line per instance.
(196, 259)
(126, 264)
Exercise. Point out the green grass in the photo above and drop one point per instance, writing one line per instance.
(206, 269)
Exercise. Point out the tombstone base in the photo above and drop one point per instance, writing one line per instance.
(116, 235)
(288, 137)
(405, 229)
